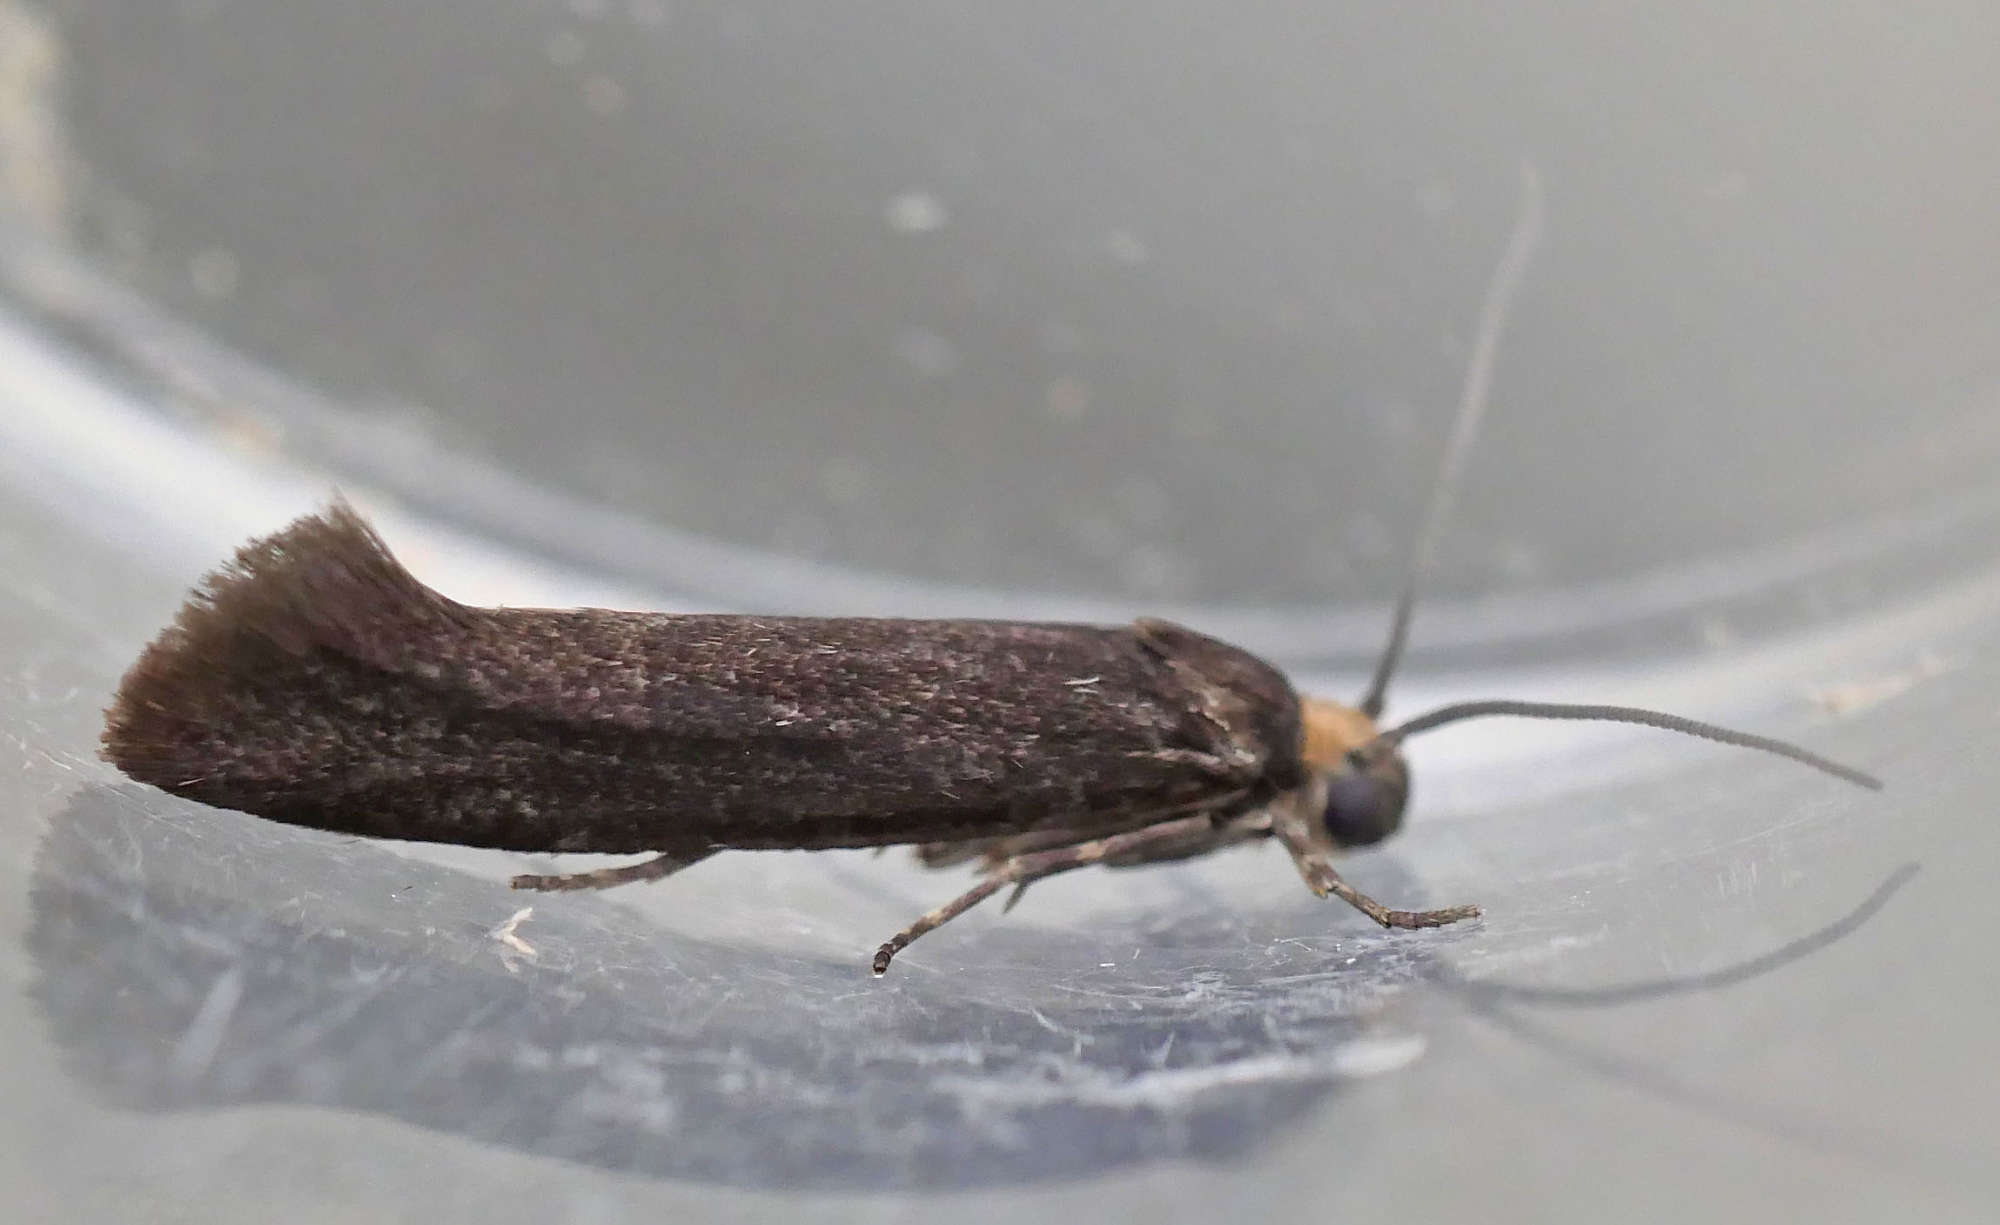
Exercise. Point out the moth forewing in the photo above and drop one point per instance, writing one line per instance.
(316, 681)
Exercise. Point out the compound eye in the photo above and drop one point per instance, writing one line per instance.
(1361, 809)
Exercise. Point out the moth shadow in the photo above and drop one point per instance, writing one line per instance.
(189, 959)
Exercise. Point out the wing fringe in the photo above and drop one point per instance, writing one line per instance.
(326, 582)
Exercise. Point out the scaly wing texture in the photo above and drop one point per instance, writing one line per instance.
(315, 681)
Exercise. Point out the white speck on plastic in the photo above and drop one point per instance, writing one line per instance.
(1435, 200)
(927, 352)
(1377, 1056)
(564, 48)
(604, 96)
(916, 212)
(1067, 398)
(1127, 247)
(845, 480)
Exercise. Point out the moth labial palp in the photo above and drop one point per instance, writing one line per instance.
(315, 681)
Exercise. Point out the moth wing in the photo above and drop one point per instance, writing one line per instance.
(315, 680)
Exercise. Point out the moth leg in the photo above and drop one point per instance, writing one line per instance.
(996, 851)
(945, 854)
(935, 919)
(1167, 838)
(1320, 877)
(1193, 843)
(656, 868)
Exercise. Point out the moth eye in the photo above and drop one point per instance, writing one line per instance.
(1360, 809)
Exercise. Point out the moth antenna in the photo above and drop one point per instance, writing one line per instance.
(1472, 401)
(1620, 714)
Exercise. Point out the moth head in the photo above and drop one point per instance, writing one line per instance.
(1367, 781)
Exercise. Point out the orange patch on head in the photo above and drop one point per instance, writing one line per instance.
(1329, 732)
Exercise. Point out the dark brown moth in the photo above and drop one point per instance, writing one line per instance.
(315, 681)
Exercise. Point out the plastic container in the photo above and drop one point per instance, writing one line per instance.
(1029, 312)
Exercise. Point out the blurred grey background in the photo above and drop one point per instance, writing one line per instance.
(1028, 309)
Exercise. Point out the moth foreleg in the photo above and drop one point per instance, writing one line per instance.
(656, 868)
(1320, 877)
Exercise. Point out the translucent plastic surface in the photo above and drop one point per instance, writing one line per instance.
(1029, 311)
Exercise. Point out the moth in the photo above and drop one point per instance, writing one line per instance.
(315, 681)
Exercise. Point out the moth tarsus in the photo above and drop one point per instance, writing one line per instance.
(315, 681)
